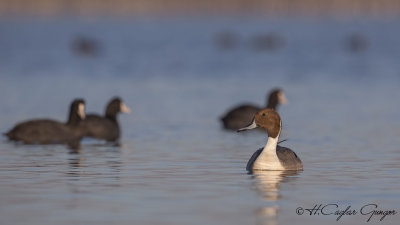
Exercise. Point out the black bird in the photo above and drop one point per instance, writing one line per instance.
(241, 115)
(106, 127)
(47, 131)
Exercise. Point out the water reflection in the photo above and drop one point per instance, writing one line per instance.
(267, 184)
(75, 163)
(95, 165)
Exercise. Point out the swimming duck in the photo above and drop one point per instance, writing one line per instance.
(106, 127)
(47, 131)
(272, 156)
(240, 116)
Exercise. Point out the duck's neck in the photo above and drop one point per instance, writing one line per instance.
(272, 142)
(268, 159)
(271, 145)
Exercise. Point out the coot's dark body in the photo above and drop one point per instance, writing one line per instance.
(239, 116)
(47, 131)
(106, 127)
(102, 128)
(242, 115)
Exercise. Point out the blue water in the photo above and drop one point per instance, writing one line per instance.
(176, 165)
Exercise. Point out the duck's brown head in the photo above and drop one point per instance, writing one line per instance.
(268, 119)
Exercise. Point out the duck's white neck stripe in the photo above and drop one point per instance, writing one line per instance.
(268, 160)
(271, 144)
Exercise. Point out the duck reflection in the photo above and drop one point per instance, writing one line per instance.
(267, 183)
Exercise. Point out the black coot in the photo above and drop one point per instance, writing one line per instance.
(46, 131)
(106, 127)
(240, 116)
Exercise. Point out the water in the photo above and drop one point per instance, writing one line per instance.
(176, 165)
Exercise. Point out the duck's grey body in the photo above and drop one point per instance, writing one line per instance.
(288, 159)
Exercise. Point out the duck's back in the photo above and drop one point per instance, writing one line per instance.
(101, 128)
(288, 158)
(42, 131)
(240, 116)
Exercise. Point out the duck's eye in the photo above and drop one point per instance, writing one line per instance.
(263, 114)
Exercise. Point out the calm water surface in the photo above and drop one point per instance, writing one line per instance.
(176, 165)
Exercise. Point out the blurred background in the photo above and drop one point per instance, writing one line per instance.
(180, 65)
(389, 8)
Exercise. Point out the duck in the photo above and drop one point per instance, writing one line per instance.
(48, 131)
(241, 115)
(272, 156)
(106, 127)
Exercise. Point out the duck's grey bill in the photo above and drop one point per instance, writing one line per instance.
(249, 127)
